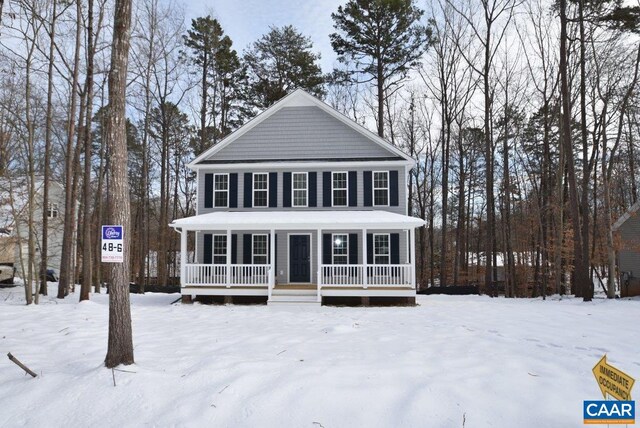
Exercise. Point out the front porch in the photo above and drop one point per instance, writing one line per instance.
(290, 262)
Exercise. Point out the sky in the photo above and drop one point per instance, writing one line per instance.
(246, 20)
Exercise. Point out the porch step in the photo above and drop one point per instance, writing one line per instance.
(294, 299)
(294, 292)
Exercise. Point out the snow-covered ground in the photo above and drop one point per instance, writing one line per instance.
(449, 362)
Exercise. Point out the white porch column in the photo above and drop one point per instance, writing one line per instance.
(412, 250)
(183, 257)
(365, 279)
(272, 259)
(228, 258)
(319, 261)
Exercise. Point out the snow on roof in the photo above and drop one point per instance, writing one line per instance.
(297, 219)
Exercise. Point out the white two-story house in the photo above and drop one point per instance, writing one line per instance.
(301, 204)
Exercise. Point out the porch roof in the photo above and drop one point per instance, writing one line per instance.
(251, 220)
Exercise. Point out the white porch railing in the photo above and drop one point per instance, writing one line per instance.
(240, 275)
(377, 275)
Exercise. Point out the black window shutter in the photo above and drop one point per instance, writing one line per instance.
(246, 249)
(367, 183)
(208, 190)
(393, 188)
(286, 189)
(353, 248)
(395, 248)
(248, 187)
(353, 186)
(207, 255)
(369, 248)
(313, 189)
(273, 190)
(233, 190)
(234, 249)
(327, 249)
(326, 189)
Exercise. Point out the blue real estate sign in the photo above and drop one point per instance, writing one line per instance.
(112, 244)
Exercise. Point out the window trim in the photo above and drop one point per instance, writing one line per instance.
(253, 190)
(374, 188)
(213, 249)
(53, 208)
(253, 254)
(226, 205)
(388, 255)
(333, 248)
(346, 189)
(306, 189)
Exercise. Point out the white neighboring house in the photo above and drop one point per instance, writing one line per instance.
(14, 215)
(301, 204)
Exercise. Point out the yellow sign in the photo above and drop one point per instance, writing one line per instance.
(613, 381)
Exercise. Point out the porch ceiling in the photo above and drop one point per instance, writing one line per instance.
(292, 220)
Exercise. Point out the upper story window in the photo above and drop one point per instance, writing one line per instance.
(219, 249)
(381, 188)
(340, 249)
(300, 189)
(220, 190)
(381, 252)
(339, 189)
(259, 249)
(260, 189)
(52, 210)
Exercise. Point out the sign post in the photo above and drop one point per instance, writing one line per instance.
(112, 244)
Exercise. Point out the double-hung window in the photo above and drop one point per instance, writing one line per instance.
(299, 189)
(259, 249)
(381, 251)
(221, 190)
(339, 189)
(340, 249)
(381, 188)
(52, 211)
(219, 249)
(260, 189)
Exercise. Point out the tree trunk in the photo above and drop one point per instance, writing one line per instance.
(581, 271)
(120, 343)
(87, 232)
(66, 268)
(44, 251)
(488, 156)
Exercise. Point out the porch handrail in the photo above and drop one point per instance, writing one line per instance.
(353, 275)
(200, 274)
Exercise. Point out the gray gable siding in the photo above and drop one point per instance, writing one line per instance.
(629, 254)
(402, 188)
(303, 132)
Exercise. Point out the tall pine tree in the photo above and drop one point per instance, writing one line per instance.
(384, 39)
(279, 62)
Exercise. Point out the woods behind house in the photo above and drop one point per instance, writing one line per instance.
(523, 118)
